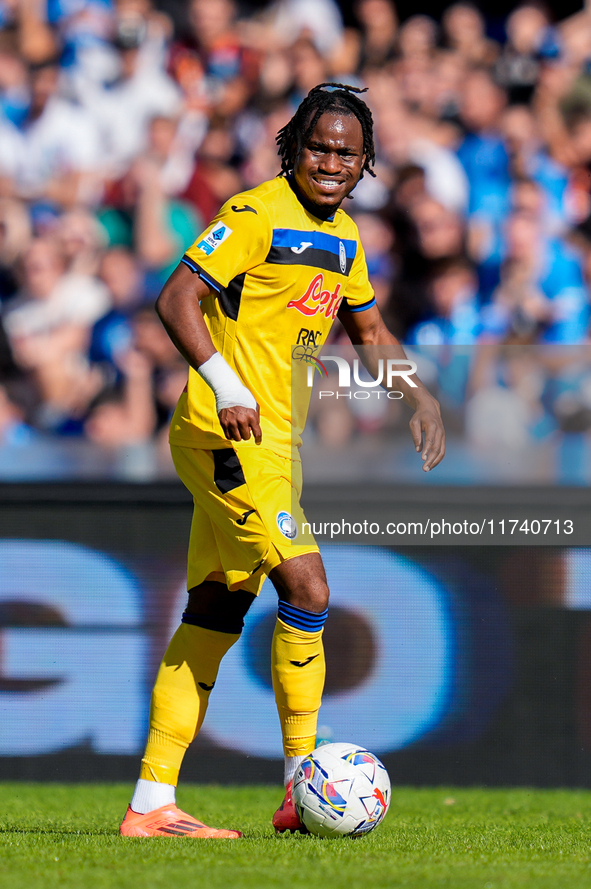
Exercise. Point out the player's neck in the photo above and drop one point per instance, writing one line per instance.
(325, 214)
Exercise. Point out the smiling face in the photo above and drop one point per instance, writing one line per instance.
(331, 163)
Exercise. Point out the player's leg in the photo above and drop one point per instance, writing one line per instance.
(293, 563)
(298, 666)
(211, 624)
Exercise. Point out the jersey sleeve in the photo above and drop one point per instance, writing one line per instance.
(238, 239)
(359, 294)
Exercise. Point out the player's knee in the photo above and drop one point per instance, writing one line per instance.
(316, 599)
(214, 607)
(312, 598)
(302, 583)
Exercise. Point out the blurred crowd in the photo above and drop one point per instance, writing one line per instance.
(125, 124)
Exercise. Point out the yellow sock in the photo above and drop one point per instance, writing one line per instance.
(185, 679)
(298, 668)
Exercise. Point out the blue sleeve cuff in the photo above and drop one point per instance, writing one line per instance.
(205, 276)
(362, 308)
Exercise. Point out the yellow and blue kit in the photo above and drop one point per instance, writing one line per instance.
(278, 276)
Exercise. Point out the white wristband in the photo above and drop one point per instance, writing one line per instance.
(225, 384)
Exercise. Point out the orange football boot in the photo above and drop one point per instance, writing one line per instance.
(170, 821)
(286, 816)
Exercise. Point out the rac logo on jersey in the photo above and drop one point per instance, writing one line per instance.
(309, 338)
(315, 299)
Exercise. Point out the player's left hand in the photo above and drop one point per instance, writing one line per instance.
(427, 431)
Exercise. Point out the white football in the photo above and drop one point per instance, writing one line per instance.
(341, 790)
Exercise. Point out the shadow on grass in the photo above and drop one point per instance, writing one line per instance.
(56, 831)
(260, 836)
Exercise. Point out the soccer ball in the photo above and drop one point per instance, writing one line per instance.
(341, 790)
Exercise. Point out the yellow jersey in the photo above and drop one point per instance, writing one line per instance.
(278, 277)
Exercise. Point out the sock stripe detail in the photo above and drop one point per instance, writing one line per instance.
(301, 619)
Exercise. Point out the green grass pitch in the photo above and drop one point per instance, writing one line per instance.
(56, 835)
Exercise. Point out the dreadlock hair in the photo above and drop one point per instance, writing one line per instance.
(292, 138)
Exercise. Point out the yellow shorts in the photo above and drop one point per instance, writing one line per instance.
(247, 516)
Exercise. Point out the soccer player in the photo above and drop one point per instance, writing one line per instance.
(277, 260)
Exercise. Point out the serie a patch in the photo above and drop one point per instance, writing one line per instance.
(216, 236)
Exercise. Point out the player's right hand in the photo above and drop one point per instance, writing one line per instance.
(238, 423)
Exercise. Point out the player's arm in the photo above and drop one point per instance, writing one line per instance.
(180, 312)
(367, 328)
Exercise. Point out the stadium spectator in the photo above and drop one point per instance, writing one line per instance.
(15, 236)
(55, 153)
(308, 67)
(142, 91)
(81, 240)
(517, 68)
(48, 323)
(417, 38)
(259, 145)
(168, 370)
(319, 19)
(505, 402)
(482, 152)
(112, 334)
(542, 295)
(529, 160)
(33, 36)
(464, 30)
(14, 431)
(126, 415)
(162, 226)
(14, 92)
(218, 163)
(51, 296)
(426, 232)
(486, 163)
(159, 225)
(453, 295)
(216, 72)
(413, 138)
(84, 29)
(375, 44)
(440, 231)
(378, 237)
